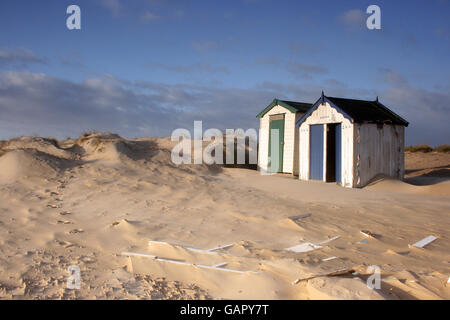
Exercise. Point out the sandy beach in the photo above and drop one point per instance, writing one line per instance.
(85, 202)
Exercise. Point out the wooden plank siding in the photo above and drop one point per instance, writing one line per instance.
(379, 149)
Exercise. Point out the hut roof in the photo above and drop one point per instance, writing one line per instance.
(292, 106)
(360, 111)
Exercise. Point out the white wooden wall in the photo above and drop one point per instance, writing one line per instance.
(322, 115)
(378, 150)
(289, 139)
(296, 165)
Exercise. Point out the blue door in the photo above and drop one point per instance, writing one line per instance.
(338, 136)
(316, 152)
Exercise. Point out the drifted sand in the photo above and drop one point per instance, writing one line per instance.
(85, 202)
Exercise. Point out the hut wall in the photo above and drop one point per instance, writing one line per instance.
(378, 150)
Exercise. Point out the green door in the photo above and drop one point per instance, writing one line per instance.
(276, 146)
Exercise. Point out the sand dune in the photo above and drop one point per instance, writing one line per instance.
(85, 201)
(439, 186)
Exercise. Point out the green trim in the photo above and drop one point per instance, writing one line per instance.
(274, 103)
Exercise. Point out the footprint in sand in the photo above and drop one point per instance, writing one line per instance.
(65, 244)
(65, 213)
(74, 231)
(88, 259)
(53, 206)
(65, 222)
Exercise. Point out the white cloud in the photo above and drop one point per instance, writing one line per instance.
(353, 18)
(194, 68)
(149, 16)
(19, 57)
(204, 45)
(393, 77)
(113, 6)
(32, 103)
(305, 70)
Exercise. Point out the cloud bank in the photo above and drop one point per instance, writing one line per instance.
(39, 104)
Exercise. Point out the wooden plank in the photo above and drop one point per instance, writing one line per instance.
(208, 251)
(340, 272)
(328, 259)
(308, 246)
(301, 216)
(422, 243)
(218, 267)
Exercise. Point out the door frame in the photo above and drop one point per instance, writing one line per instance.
(333, 151)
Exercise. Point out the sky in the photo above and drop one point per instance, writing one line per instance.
(147, 67)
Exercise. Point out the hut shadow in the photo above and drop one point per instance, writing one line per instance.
(441, 171)
(426, 180)
(388, 289)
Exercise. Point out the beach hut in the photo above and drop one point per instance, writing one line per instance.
(280, 118)
(350, 142)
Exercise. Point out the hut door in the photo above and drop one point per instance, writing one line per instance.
(316, 152)
(276, 147)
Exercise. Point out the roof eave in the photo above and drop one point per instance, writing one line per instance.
(400, 119)
(316, 105)
(276, 102)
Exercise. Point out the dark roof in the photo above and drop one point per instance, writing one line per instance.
(360, 111)
(292, 106)
(367, 111)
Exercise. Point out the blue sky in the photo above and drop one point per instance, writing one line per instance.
(147, 67)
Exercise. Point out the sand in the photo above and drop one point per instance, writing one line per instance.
(86, 201)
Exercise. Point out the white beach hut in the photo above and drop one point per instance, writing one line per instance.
(280, 118)
(350, 142)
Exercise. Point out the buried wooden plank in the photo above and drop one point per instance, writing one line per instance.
(389, 279)
(328, 259)
(422, 243)
(209, 251)
(328, 240)
(218, 267)
(309, 246)
(301, 216)
(367, 233)
(304, 247)
(340, 272)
